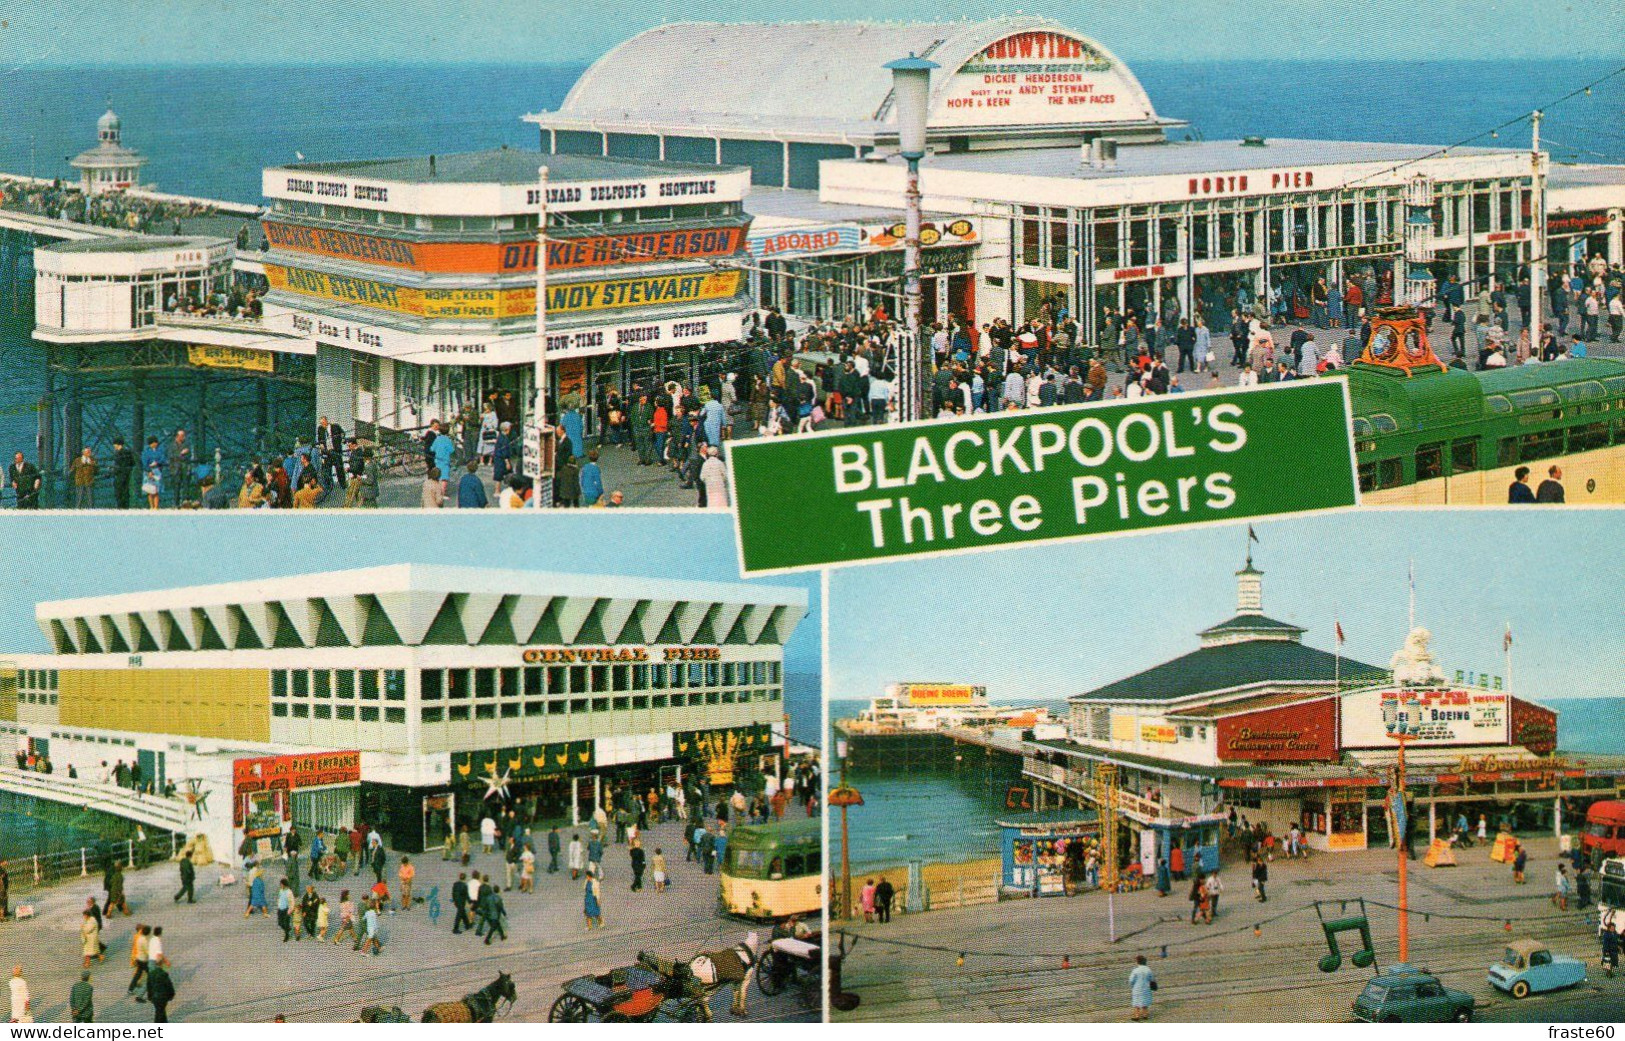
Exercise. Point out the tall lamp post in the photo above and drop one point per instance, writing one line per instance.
(844, 796)
(1401, 727)
(911, 94)
(538, 453)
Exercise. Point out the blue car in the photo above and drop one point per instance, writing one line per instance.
(1529, 967)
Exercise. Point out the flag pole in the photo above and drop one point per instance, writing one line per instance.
(1506, 648)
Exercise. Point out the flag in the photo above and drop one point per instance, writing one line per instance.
(1252, 536)
(1339, 633)
(1506, 641)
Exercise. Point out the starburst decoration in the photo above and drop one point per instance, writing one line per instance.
(496, 784)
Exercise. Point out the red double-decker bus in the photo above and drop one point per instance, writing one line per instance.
(1605, 828)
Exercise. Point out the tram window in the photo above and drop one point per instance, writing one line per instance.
(1429, 462)
(640, 701)
(301, 711)
(485, 684)
(1498, 404)
(394, 684)
(454, 714)
(508, 683)
(773, 670)
(1383, 423)
(485, 712)
(1541, 445)
(535, 708)
(640, 677)
(279, 709)
(347, 712)
(301, 683)
(676, 673)
(712, 674)
(1582, 391)
(600, 704)
(369, 685)
(323, 683)
(1588, 437)
(661, 701)
(777, 868)
(279, 683)
(728, 697)
(620, 676)
(727, 674)
(776, 694)
(324, 711)
(1383, 473)
(345, 680)
(600, 678)
(510, 710)
(456, 684)
(1525, 400)
(434, 715)
(1619, 432)
(713, 698)
(620, 704)
(578, 679)
(533, 683)
(1463, 457)
(696, 674)
(556, 680)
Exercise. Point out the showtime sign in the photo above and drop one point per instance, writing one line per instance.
(1303, 733)
(1039, 77)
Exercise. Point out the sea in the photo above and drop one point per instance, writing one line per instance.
(208, 131)
(949, 816)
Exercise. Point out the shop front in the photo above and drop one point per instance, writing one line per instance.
(1044, 853)
(270, 794)
(1574, 238)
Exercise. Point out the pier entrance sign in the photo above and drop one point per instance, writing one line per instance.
(879, 493)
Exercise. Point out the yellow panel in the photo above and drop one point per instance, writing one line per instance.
(1122, 726)
(234, 704)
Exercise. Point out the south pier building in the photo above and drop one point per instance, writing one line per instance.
(1259, 723)
(409, 695)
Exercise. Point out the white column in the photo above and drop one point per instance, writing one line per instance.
(1433, 822)
(1557, 817)
(1616, 237)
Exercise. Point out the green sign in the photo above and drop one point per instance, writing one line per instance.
(878, 493)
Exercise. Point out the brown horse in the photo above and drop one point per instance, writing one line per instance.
(481, 1006)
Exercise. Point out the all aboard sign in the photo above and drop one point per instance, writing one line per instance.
(1040, 77)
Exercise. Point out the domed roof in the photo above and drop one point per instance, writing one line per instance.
(806, 75)
(108, 123)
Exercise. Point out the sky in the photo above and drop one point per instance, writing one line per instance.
(373, 31)
(1052, 621)
(63, 555)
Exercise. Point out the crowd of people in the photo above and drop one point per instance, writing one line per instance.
(318, 890)
(60, 200)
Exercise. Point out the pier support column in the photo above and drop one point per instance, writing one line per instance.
(45, 441)
(138, 413)
(73, 420)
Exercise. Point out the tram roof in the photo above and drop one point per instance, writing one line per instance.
(1436, 399)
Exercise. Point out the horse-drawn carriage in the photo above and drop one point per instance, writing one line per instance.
(659, 989)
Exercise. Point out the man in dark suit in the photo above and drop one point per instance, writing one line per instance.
(25, 481)
(124, 463)
(459, 901)
(330, 446)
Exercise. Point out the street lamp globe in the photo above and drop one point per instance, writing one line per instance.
(911, 92)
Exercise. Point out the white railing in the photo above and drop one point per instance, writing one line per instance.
(43, 869)
(156, 810)
(209, 320)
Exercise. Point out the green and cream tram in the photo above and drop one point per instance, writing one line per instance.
(1426, 434)
(774, 870)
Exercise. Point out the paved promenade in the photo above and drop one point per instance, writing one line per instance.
(1223, 972)
(228, 969)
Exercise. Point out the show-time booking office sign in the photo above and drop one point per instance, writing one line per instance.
(880, 493)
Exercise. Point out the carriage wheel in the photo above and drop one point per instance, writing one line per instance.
(767, 975)
(568, 1009)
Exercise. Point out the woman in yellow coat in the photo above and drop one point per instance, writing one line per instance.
(90, 939)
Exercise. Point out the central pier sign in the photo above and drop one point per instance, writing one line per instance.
(878, 493)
